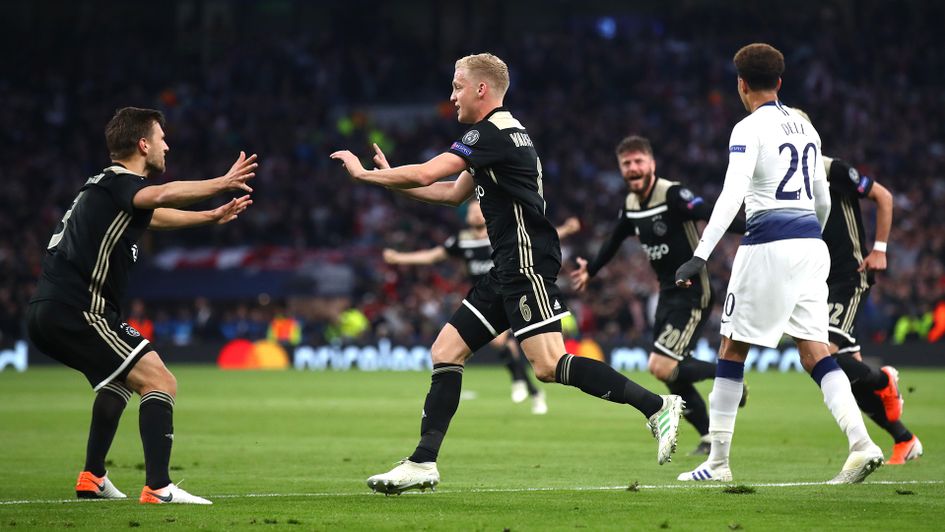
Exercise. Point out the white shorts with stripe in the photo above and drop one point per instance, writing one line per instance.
(778, 288)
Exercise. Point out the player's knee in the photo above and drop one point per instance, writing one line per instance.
(444, 353)
(659, 369)
(544, 372)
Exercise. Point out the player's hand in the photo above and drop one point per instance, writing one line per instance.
(380, 160)
(688, 270)
(580, 277)
(391, 256)
(230, 211)
(242, 171)
(351, 163)
(570, 226)
(875, 261)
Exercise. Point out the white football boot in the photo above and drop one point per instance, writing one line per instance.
(859, 465)
(519, 391)
(406, 476)
(705, 472)
(664, 425)
(170, 494)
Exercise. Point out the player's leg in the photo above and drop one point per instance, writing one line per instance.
(876, 390)
(66, 335)
(474, 324)
(534, 310)
(677, 327)
(906, 445)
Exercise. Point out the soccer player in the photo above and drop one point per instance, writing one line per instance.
(472, 245)
(76, 317)
(662, 214)
(495, 158)
(850, 278)
(779, 277)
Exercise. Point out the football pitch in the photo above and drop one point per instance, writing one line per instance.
(291, 450)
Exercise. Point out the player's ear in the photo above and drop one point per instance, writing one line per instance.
(143, 146)
(778, 87)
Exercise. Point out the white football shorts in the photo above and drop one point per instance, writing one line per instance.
(778, 288)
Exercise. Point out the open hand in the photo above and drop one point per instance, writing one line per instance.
(242, 171)
(351, 163)
(580, 277)
(688, 270)
(230, 211)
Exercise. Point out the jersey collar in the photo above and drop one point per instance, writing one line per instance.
(118, 168)
(492, 112)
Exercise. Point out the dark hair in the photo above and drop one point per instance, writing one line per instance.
(635, 143)
(127, 127)
(760, 65)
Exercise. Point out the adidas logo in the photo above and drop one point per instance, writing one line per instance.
(557, 305)
(169, 436)
(606, 395)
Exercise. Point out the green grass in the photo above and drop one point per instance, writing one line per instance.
(310, 439)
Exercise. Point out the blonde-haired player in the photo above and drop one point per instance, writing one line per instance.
(496, 159)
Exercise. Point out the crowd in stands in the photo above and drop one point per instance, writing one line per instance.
(871, 78)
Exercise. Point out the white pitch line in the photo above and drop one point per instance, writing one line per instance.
(693, 485)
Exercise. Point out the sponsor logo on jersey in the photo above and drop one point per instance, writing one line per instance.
(471, 137)
(695, 201)
(864, 182)
(134, 252)
(461, 148)
(737, 148)
(656, 252)
(480, 192)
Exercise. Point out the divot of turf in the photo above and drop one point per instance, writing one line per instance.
(739, 489)
(634, 486)
(904, 492)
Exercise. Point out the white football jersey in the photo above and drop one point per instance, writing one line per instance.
(780, 152)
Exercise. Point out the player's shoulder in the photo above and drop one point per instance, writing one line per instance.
(663, 191)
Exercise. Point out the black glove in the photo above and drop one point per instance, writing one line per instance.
(688, 270)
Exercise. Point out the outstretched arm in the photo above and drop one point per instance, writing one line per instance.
(446, 193)
(406, 176)
(422, 257)
(569, 227)
(876, 260)
(183, 193)
(582, 275)
(166, 219)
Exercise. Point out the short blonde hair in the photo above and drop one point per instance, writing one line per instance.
(489, 68)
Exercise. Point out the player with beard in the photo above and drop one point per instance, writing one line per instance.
(472, 246)
(496, 159)
(76, 317)
(663, 215)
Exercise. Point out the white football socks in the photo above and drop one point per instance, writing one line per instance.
(838, 396)
(723, 406)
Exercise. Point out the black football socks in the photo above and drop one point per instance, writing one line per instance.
(438, 409)
(600, 380)
(156, 425)
(109, 404)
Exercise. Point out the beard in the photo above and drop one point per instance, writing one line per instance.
(154, 168)
(643, 181)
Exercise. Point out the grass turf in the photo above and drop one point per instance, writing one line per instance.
(291, 450)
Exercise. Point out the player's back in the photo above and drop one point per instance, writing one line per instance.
(782, 157)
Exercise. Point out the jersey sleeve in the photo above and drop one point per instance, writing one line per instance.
(687, 204)
(122, 189)
(743, 150)
(482, 146)
(451, 245)
(846, 179)
(625, 228)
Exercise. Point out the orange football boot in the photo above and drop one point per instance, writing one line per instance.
(905, 451)
(892, 399)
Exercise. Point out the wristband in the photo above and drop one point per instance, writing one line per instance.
(879, 245)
